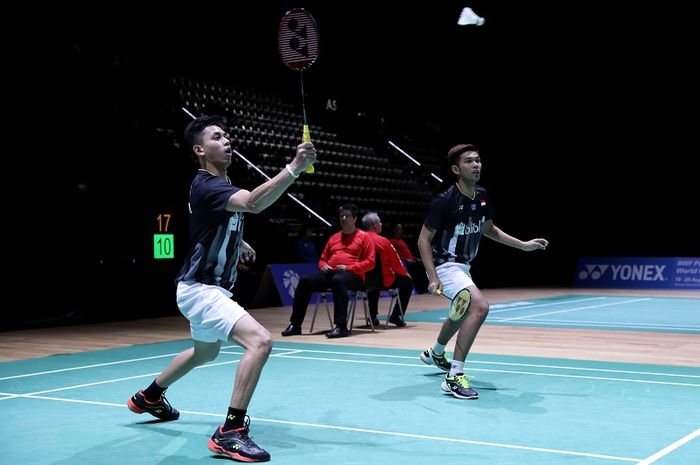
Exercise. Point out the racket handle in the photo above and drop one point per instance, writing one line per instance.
(306, 137)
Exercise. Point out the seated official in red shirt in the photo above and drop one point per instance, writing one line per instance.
(393, 272)
(413, 263)
(348, 255)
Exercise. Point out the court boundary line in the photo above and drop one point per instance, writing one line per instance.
(94, 365)
(482, 362)
(359, 354)
(575, 309)
(366, 362)
(364, 430)
(545, 304)
(553, 375)
(670, 448)
(614, 323)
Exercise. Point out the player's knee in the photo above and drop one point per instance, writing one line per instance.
(263, 342)
(480, 308)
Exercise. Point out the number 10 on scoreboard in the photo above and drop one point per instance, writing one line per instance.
(163, 246)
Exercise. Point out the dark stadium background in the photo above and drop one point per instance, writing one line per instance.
(585, 117)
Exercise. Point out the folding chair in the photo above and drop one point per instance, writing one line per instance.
(353, 306)
(375, 282)
(352, 303)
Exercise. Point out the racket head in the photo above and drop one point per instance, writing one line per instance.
(460, 305)
(298, 39)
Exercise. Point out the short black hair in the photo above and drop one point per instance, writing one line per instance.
(193, 131)
(350, 206)
(455, 152)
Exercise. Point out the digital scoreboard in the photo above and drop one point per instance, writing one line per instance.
(163, 241)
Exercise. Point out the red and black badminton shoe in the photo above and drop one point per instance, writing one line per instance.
(160, 409)
(236, 444)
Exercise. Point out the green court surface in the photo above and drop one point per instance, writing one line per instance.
(321, 404)
(655, 314)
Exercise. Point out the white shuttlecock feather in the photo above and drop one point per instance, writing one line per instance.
(467, 17)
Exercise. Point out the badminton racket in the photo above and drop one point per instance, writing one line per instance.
(459, 305)
(298, 47)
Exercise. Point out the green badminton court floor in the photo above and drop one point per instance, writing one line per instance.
(624, 313)
(321, 404)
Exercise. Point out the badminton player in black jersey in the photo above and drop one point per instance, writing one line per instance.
(448, 242)
(205, 281)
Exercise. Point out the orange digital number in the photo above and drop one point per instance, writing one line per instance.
(163, 222)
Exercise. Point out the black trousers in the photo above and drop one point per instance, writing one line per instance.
(405, 285)
(339, 282)
(417, 272)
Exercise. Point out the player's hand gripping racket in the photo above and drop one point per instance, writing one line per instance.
(298, 46)
(459, 305)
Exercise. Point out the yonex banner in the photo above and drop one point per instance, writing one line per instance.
(639, 272)
(287, 276)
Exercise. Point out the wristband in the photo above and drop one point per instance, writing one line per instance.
(291, 173)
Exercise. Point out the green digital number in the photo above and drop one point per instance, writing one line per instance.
(163, 246)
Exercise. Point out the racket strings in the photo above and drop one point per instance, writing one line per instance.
(298, 40)
(460, 305)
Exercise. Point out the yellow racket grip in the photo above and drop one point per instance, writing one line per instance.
(306, 137)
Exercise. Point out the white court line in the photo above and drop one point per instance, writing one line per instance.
(371, 431)
(602, 370)
(575, 309)
(556, 375)
(666, 450)
(659, 325)
(602, 324)
(116, 380)
(366, 362)
(61, 370)
(361, 354)
(548, 304)
(534, 365)
(96, 365)
(553, 375)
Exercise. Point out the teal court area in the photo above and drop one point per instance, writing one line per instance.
(633, 313)
(323, 404)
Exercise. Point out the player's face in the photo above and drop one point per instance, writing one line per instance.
(217, 146)
(469, 167)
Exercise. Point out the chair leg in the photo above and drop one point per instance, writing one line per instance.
(313, 317)
(351, 311)
(328, 313)
(322, 296)
(401, 309)
(394, 297)
(388, 314)
(368, 317)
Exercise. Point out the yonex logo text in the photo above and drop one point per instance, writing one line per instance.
(624, 272)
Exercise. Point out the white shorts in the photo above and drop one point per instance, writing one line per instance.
(210, 310)
(454, 277)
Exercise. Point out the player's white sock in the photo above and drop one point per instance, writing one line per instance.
(438, 349)
(457, 367)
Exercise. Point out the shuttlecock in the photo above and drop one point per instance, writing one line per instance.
(467, 16)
